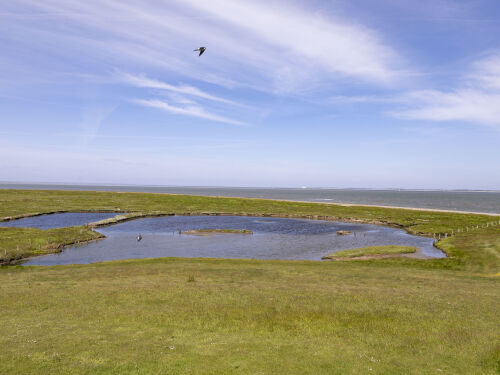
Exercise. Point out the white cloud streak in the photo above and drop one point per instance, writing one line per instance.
(364, 99)
(486, 72)
(476, 100)
(143, 81)
(189, 110)
(473, 106)
(189, 107)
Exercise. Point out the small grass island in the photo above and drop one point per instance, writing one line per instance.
(371, 252)
(208, 232)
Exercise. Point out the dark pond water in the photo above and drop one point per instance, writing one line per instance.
(68, 219)
(272, 238)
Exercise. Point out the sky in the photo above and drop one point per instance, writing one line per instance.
(337, 93)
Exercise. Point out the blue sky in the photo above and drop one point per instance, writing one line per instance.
(340, 93)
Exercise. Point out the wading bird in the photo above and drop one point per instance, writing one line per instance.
(201, 49)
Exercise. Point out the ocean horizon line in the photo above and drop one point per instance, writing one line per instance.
(79, 184)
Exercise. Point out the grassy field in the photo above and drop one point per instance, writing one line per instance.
(371, 251)
(221, 316)
(192, 316)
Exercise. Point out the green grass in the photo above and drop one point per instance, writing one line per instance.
(221, 316)
(193, 316)
(372, 250)
(477, 251)
(18, 243)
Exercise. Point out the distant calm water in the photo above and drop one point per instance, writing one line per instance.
(475, 201)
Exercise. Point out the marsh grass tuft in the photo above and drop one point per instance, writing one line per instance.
(371, 252)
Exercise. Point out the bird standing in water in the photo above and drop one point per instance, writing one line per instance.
(201, 49)
(139, 237)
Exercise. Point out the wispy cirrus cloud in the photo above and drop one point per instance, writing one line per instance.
(92, 119)
(306, 39)
(293, 49)
(476, 99)
(184, 96)
(143, 81)
(474, 106)
(188, 110)
(290, 48)
(486, 72)
(364, 99)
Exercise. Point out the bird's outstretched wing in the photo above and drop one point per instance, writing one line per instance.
(201, 49)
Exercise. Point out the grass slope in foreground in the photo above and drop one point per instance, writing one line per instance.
(371, 251)
(193, 316)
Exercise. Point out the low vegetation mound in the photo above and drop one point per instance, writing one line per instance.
(207, 232)
(371, 252)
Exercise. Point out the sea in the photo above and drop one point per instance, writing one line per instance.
(454, 200)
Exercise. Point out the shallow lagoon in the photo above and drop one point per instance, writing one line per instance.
(272, 238)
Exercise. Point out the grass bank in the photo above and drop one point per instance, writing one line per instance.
(477, 251)
(19, 243)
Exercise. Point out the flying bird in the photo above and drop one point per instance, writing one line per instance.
(201, 49)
